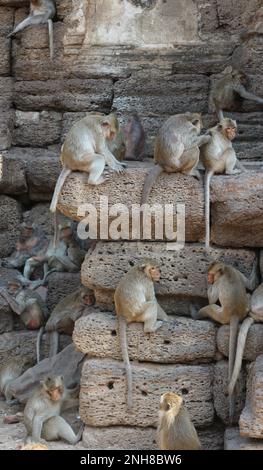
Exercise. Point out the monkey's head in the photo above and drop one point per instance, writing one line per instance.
(150, 269)
(27, 229)
(215, 271)
(54, 387)
(170, 401)
(13, 286)
(110, 126)
(196, 120)
(228, 127)
(87, 296)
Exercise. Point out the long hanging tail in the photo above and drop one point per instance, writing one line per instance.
(149, 182)
(54, 343)
(61, 180)
(51, 38)
(125, 357)
(240, 352)
(232, 354)
(39, 339)
(208, 176)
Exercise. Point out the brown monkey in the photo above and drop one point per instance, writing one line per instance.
(135, 301)
(41, 11)
(31, 242)
(63, 317)
(135, 139)
(61, 255)
(175, 428)
(218, 156)
(228, 286)
(10, 371)
(26, 303)
(255, 315)
(42, 413)
(85, 149)
(176, 148)
(229, 90)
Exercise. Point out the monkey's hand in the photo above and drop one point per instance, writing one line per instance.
(119, 168)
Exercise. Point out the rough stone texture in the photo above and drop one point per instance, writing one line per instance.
(6, 18)
(10, 217)
(126, 189)
(60, 285)
(233, 441)
(182, 340)
(220, 394)
(41, 215)
(37, 129)
(237, 214)
(103, 392)
(7, 319)
(23, 343)
(12, 176)
(254, 342)
(183, 271)
(127, 438)
(236, 202)
(251, 418)
(64, 95)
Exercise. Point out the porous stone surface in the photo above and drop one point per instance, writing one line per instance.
(135, 438)
(220, 392)
(10, 218)
(251, 420)
(183, 272)
(103, 392)
(12, 176)
(254, 341)
(182, 340)
(60, 285)
(233, 441)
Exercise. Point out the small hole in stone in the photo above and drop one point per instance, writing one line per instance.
(144, 394)
(111, 385)
(114, 333)
(184, 391)
(167, 341)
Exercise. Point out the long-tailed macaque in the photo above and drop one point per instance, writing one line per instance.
(255, 315)
(42, 413)
(176, 149)
(229, 90)
(26, 303)
(10, 371)
(228, 286)
(62, 255)
(41, 11)
(135, 138)
(135, 301)
(218, 156)
(175, 429)
(31, 242)
(85, 149)
(64, 316)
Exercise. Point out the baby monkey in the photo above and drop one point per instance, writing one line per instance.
(42, 413)
(41, 11)
(218, 156)
(175, 429)
(135, 301)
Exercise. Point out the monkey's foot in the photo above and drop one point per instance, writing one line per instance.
(233, 172)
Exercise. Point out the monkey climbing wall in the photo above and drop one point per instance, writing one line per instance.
(158, 58)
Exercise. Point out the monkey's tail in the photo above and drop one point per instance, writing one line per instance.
(51, 38)
(149, 182)
(39, 339)
(125, 357)
(208, 176)
(231, 359)
(61, 180)
(239, 352)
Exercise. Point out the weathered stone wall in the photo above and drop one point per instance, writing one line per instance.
(159, 58)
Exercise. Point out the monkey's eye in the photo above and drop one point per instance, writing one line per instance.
(196, 122)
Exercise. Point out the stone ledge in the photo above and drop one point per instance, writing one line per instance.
(254, 342)
(103, 392)
(233, 441)
(181, 341)
(183, 272)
